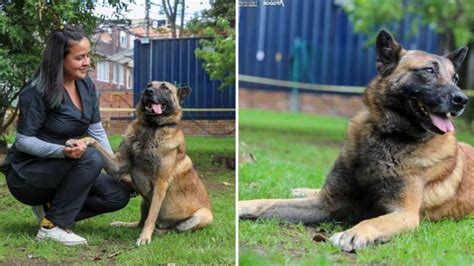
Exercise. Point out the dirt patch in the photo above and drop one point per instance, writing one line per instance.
(208, 177)
(222, 161)
(293, 251)
(101, 254)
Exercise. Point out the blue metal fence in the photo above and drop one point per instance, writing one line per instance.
(173, 60)
(312, 41)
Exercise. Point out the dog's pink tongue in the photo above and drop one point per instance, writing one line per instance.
(443, 124)
(157, 108)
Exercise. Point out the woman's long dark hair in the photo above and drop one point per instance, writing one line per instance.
(49, 79)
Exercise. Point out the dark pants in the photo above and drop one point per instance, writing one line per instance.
(75, 188)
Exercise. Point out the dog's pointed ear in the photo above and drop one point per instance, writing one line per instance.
(183, 93)
(457, 57)
(388, 53)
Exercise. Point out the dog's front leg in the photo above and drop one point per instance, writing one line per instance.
(159, 192)
(115, 165)
(404, 217)
(307, 210)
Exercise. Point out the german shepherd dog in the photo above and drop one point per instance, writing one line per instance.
(153, 154)
(400, 162)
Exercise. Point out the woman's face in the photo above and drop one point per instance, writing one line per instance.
(77, 60)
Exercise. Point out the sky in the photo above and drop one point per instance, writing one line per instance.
(137, 10)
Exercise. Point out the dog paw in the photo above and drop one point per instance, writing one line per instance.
(304, 192)
(246, 209)
(70, 143)
(350, 241)
(142, 240)
(88, 141)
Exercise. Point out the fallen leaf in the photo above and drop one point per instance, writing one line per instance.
(114, 254)
(320, 238)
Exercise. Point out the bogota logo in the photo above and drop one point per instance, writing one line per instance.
(273, 3)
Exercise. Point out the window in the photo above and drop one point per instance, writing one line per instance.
(120, 75)
(103, 71)
(123, 39)
(115, 74)
(130, 80)
(132, 41)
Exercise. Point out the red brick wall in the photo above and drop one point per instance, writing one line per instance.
(190, 127)
(323, 103)
(116, 99)
(263, 99)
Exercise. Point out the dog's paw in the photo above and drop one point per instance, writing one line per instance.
(70, 143)
(304, 192)
(350, 240)
(89, 141)
(142, 240)
(247, 210)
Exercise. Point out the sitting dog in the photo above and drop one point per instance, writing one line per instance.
(153, 153)
(401, 160)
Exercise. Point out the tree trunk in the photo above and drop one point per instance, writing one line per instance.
(183, 5)
(3, 148)
(171, 12)
(173, 29)
(3, 142)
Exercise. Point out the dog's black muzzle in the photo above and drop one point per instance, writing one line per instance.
(458, 101)
(152, 95)
(453, 102)
(449, 101)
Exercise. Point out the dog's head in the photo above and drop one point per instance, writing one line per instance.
(160, 103)
(415, 92)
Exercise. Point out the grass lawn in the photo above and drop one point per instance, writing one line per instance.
(107, 245)
(295, 150)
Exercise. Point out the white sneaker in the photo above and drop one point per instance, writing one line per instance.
(38, 210)
(58, 234)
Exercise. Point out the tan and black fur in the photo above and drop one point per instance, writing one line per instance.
(153, 154)
(396, 166)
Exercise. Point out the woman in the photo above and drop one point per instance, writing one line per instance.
(58, 104)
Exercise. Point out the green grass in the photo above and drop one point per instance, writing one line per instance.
(107, 245)
(295, 150)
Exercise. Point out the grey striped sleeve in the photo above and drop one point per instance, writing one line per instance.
(37, 147)
(97, 132)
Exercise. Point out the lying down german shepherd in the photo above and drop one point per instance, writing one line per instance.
(153, 153)
(400, 162)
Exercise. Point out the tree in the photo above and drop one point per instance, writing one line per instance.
(208, 18)
(183, 8)
(452, 20)
(24, 28)
(219, 53)
(171, 12)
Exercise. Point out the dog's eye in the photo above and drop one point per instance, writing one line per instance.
(429, 70)
(456, 78)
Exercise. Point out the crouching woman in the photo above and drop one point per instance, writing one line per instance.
(63, 184)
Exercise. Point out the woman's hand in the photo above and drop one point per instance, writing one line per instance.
(75, 152)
